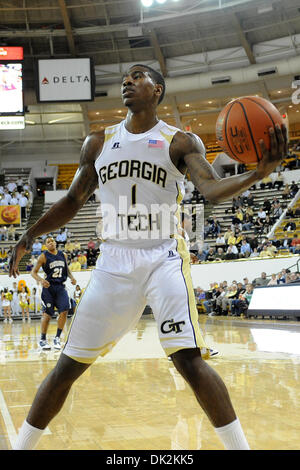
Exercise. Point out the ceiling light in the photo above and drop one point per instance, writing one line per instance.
(278, 91)
(210, 102)
(290, 106)
(147, 3)
(120, 110)
(161, 1)
(187, 105)
(97, 113)
(199, 124)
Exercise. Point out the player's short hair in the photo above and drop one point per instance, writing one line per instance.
(156, 77)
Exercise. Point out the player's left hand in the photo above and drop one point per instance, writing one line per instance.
(73, 281)
(278, 151)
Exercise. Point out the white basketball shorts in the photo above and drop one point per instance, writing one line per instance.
(123, 282)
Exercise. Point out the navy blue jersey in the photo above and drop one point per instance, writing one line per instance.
(56, 268)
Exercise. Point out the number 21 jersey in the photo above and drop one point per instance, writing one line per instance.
(55, 268)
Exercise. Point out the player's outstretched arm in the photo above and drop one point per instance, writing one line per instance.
(83, 185)
(217, 189)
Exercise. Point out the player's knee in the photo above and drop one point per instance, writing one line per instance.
(188, 362)
(67, 371)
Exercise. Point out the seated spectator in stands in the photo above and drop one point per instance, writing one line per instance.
(215, 227)
(11, 186)
(297, 212)
(227, 234)
(238, 237)
(285, 242)
(266, 207)
(23, 202)
(6, 198)
(206, 228)
(266, 182)
(289, 213)
(247, 223)
(295, 244)
(281, 277)
(245, 196)
(82, 260)
(267, 224)
(250, 200)
(265, 253)
(231, 240)
(29, 265)
(245, 249)
(3, 255)
(273, 280)
(241, 305)
(69, 246)
(220, 255)
(236, 204)
(220, 240)
(75, 265)
(211, 255)
(91, 244)
(261, 213)
(271, 248)
(286, 192)
(61, 237)
(290, 226)
(293, 189)
(11, 233)
(77, 246)
(276, 211)
(14, 200)
(258, 225)
(19, 184)
(278, 182)
(3, 233)
(232, 252)
(253, 242)
(201, 255)
(91, 257)
(36, 248)
(260, 281)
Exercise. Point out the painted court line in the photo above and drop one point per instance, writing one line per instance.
(11, 432)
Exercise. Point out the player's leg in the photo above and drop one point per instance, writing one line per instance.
(48, 401)
(62, 303)
(171, 296)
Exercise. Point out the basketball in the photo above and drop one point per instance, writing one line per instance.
(242, 123)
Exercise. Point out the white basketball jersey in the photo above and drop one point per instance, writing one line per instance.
(139, 186)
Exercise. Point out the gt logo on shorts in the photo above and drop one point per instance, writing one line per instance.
(169, 325)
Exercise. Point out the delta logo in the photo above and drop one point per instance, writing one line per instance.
(66, 79)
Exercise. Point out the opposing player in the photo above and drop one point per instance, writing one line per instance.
(54, 294)
(140, 165)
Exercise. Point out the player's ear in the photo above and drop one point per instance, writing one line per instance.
(158, 90)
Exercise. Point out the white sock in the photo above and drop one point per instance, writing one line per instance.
(232, 436)
(28, 437)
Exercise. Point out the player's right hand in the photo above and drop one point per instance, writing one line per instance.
(22, 247)
(45, 283)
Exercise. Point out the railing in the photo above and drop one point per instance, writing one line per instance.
(278, 223)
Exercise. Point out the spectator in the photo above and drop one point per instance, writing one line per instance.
(3, 233)
(295, 244)
(61, 237)
(211, 255)
(36, 248)
(77, 246)
(261, 213)
(23, 202)
(82, 260)
(241, 306)
(6, 198)
(11, 233)
(220, 240)
(281, 278)
(245, 250)
(11, 186)
(91, 244)
(266, 182)
(70, 246)
(220, 255)
(75, 265)
(232, 252)
(201, 255)
(253, 242)
(278, 183)
(261, 281)
(19, 183)
(286, 192)
(273, 280)
(294, 189)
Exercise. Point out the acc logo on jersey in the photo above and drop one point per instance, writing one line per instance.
(169, 325)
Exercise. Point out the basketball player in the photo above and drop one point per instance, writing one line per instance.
(139, 163)
(54, 293)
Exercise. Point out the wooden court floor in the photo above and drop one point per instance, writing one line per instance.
(134, 399)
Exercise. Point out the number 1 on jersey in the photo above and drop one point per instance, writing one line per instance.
(133, 195)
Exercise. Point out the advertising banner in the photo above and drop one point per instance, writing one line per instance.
(10, 215)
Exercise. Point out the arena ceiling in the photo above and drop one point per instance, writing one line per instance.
(181, 38)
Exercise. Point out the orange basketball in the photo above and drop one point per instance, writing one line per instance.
(242, 124)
